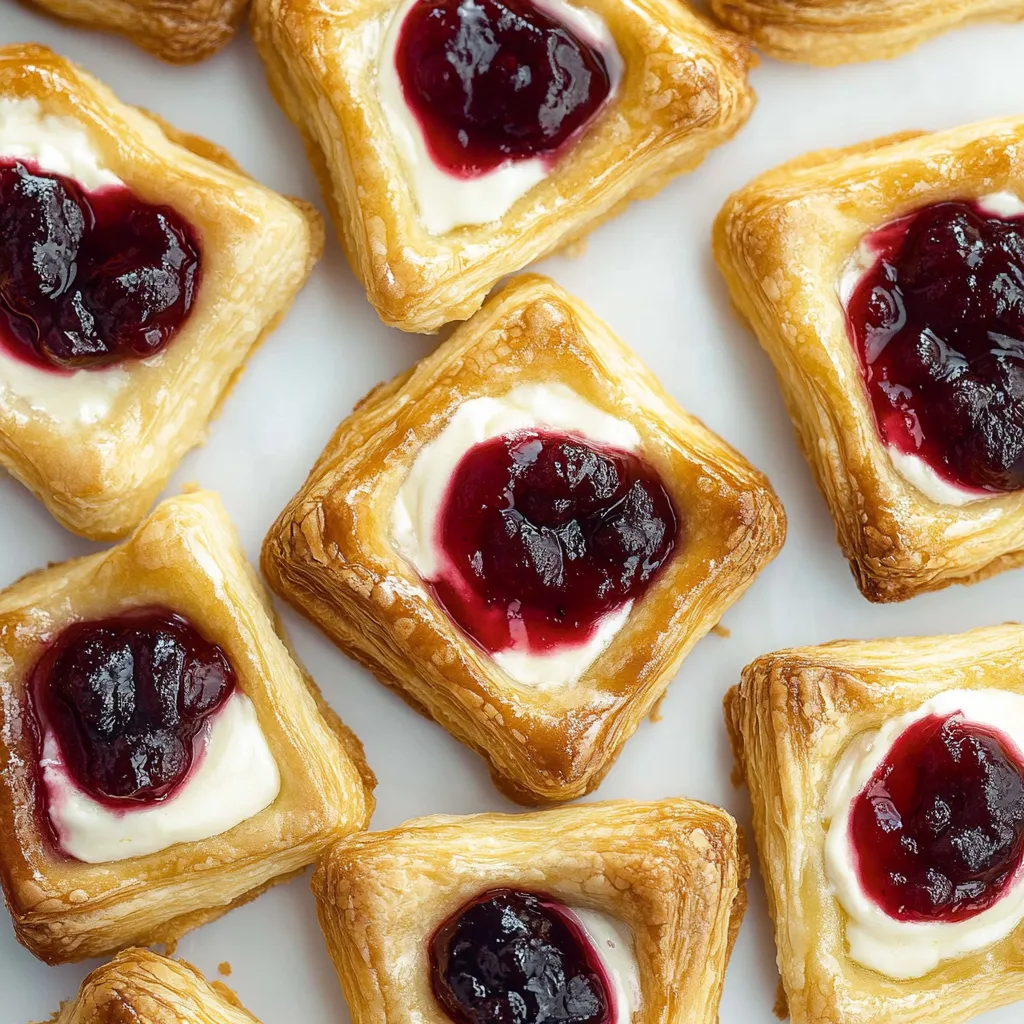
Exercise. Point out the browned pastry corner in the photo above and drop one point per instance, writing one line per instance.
(99, 475)
(685, 92)
(177, 31)
(185, 557)
(332, 556)
(783, 243)
(791, 720)
(830, 32)
(672, 872)
(141, 987)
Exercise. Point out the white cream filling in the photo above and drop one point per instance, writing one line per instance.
(613, 942)
(910, 949)
(913, 469)
(421, 497)
(61, 145)
(235, 778)
(445, 201)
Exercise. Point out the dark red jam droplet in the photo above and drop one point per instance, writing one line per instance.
(544, 534)
(515, 958)
(496, 80)
(89, 278)
(126, 699)
(938, 323)
(938, 832)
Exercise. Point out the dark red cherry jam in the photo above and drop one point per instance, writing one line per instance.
(939, 830)
(544, 534)
(938, 323)
(89, 278)
(515, 958)
(126, 699)
(496, 80)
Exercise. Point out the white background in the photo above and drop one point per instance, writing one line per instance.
(651, 276)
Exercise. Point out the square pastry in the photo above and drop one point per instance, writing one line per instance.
(141, 986)
(165, 265)
(628, 911)
(830, 32)
(525, 535)
(885, 282)
(181, 33)
(163, 758)
(442, 182)
(887, 782)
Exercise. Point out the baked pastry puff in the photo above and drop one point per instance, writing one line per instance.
(163, 758)
(881, 774)
(116, 351)
(525, 536)
(854, 269)
(140, 985)
(435, 195)
(830, 32)
(180, 33)
(638, 905)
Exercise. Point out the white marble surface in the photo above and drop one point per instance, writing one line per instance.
(650, 274)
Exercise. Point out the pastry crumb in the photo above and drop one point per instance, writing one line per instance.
(723, 631)
(655, 716)
(224, 969)
(781, 1007)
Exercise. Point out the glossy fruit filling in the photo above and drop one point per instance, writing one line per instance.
(938, 832)
(543, 534)
(126, 699)
(89, 278)
(938, 323)
(513, 957)
(496, 80)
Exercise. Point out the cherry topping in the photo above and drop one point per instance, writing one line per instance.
(544, 534)
(938, 323)
(514, 958)
(126, 699)
(89, 278)
(939, 830)
(496, 80)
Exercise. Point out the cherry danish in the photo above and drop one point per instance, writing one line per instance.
(89, 278)
(939, 830)
(938, 322)
(126, 699)
(516, 958)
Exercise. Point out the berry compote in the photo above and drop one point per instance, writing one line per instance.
(496, 80)
(938, 832)
(544, 533)
(89, 278)
(126, 699)
(516, 958)
(938, 323)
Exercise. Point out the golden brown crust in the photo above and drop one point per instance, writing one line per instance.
(177, 31)
(685, 92)
(673, 872)
(330, 553)
(99, 478)
(140, 987)
(828, 32)
(782, 244)
(185, 556)
(791, 718)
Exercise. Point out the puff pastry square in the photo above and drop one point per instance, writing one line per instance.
(185, 557)
(99, 474)
(790, 719)
(828, 32)
(332, 556)
(672, 872)
(180, 33)
(782, 244)
(140, 985)
(684, 92)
